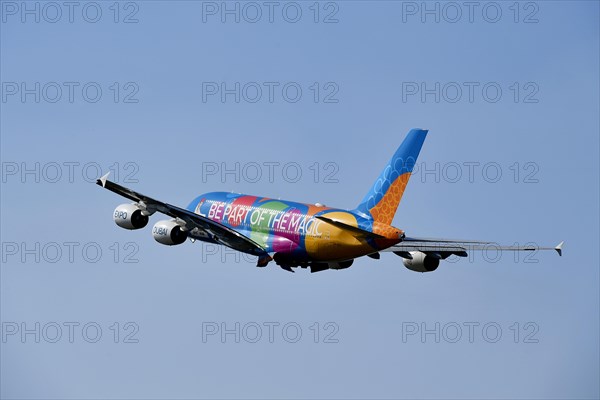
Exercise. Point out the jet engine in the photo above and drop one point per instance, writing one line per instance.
(130, 216)
(169, 233)
(421, 262)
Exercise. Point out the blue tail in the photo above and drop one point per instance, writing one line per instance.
(382, 200)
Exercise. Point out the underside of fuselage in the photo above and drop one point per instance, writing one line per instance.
(288, 263)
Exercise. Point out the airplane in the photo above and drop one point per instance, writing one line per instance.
(303, 235)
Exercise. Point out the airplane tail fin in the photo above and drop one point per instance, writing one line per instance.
(382, 200)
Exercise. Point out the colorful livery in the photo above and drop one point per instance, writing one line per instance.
(302, 235)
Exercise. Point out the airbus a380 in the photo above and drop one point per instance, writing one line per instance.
(303, 235)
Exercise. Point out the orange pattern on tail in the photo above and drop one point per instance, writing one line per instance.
(384, 210)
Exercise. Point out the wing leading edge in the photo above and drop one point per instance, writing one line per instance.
(197, 226)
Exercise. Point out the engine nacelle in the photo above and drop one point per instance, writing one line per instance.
(129, 216)
(169, 233)
(421, 262)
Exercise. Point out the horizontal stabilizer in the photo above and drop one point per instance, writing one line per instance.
(357, 232)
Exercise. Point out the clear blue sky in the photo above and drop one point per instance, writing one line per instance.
(371, 61)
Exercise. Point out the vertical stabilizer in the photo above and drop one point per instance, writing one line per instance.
(382, 200)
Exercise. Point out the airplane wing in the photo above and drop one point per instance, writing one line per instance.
(447, 247)
(197, 226)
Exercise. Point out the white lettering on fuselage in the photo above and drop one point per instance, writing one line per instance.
(264, 219)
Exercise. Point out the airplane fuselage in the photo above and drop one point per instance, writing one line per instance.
(291, 229)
